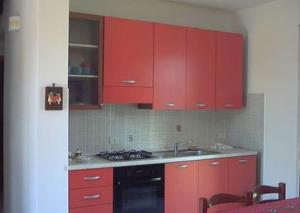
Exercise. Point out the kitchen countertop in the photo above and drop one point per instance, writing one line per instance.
(96, 163)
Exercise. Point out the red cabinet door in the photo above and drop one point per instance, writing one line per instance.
(169, 67)
(242, 174)
(201, 74)
(213, 179)
(181, 187)
(128, 53)
(229, 71)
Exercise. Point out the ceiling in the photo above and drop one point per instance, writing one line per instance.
(224, 4)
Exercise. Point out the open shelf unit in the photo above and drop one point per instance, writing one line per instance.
(85, 61)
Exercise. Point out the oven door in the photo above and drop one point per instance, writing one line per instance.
(139, 196)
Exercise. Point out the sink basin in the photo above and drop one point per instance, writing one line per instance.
(182, 153)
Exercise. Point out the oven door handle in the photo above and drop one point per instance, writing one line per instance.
(132, 182)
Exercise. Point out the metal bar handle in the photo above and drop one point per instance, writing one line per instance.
(243, 161)
(129, 81)
(216, 163)
(228, 105)
(92, 178)
(130, 182)
(169, 104)
(183, 166)
(91, 197)
(201, 105)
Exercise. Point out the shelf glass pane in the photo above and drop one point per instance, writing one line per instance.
(83, 31)
(83, 91)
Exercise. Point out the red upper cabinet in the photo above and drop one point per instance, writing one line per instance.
(169, 67)
(245, 166)
(201, 77)
(181, 181)
(229, 71)
(128, 53)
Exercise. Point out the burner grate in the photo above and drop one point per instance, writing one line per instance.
(125, 155)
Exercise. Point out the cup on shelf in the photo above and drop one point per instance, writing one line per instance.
(86, 68)
(76, 70)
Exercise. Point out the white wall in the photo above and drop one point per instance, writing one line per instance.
(36, 141)
(52, 135)
(157, 11)
(272, 69)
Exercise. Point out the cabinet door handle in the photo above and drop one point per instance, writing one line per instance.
(243, 161)
(91, 197)
(201, 105)
(228, 105)
(183, 166)
(92, 178)
(169, 104)
(129, 81)
(216, 163)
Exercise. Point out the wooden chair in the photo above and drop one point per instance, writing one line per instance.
(224, 199)
(262, 190)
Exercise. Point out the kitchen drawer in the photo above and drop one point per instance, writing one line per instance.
(90, 178)
(94, 209)
(90, 197)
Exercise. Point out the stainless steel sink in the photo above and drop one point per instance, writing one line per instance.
(182, 153)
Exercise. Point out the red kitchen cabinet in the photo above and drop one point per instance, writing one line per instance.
(90, 196)
(91, 190)
(128, 59)
(242, 174)
(181, 192)
(213, 179)
(93, 209)
(229, 71)
(169, 67)
(128, 52)
(201, 74)
(128, 95)
(90, 178)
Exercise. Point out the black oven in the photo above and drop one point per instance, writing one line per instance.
(139, 189)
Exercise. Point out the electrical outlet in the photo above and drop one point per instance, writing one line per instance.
(178, 128)
(14, 23)
(130, 138)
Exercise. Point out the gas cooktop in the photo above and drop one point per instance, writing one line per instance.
(124, 155)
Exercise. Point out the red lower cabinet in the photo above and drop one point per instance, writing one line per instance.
(90, 178)
(181, 192)
(242, 174)
(213, 179)
(90, 197)
(94, 209)
(91, 191)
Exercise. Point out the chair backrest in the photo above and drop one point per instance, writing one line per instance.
(223, 199)
(262, 190)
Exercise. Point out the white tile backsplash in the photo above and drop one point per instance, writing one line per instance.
(119, 127)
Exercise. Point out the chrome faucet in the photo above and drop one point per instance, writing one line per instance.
(176, 147)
